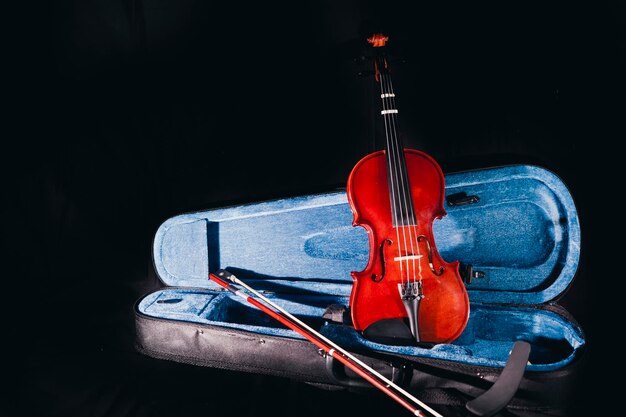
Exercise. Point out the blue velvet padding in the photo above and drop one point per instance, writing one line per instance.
(487, 339)
(523, 233)
(223, 309)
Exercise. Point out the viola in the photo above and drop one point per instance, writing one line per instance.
(396, 194)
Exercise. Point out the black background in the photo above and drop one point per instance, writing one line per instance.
(125, 113)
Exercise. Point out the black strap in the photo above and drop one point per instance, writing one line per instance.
(399, 375)
(501, 392)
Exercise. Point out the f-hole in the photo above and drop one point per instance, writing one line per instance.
(382, 260)
(437, 272)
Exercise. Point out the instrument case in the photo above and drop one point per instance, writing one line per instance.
(514, 229)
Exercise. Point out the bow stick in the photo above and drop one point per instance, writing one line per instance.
(394, 391)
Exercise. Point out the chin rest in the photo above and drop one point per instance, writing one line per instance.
(392, 332)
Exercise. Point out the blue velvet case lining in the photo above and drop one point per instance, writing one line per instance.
(487, 339)
(523, 233)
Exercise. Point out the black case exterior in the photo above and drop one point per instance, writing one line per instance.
(436, 382)
(231, 349)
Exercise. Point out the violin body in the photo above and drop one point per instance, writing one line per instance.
(404, 252)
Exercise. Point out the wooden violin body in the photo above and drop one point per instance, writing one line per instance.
(403, 252)
(396, 194)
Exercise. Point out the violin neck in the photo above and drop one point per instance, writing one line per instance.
(400, 197)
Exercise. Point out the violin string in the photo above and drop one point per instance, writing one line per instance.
(409, 200)
(396, 153)
(396, 196)
(405, 193)
(393, 180)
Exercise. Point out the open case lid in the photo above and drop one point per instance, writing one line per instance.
(522, 232)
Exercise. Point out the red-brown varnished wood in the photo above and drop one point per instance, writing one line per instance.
(444, 310)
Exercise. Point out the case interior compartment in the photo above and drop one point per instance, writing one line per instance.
(487, 339)
(522, 232)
